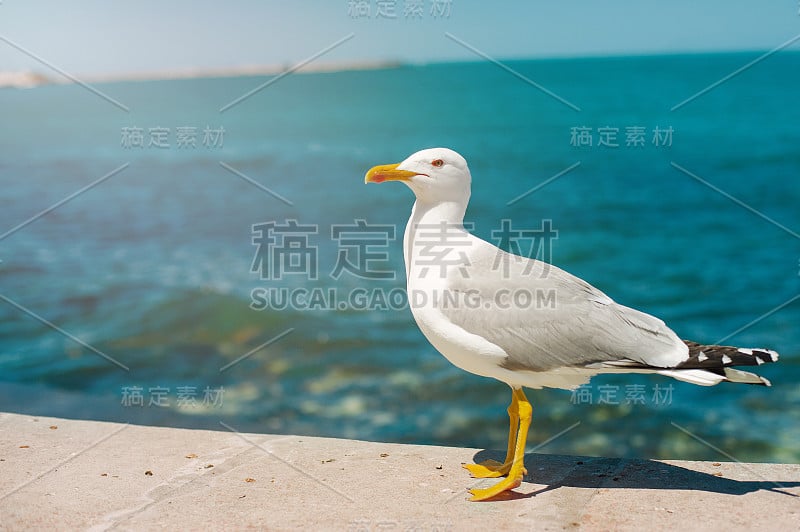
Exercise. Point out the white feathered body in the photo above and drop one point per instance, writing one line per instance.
(520, 320)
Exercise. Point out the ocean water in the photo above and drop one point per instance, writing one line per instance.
(152, 268)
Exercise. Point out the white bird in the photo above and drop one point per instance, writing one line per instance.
(522, 321)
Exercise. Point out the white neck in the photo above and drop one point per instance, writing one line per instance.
(450, 213)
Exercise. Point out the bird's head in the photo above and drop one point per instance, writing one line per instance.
(435, 175)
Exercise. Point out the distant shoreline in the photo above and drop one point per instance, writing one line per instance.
(29, 79)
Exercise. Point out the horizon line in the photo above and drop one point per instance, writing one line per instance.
(30, 78)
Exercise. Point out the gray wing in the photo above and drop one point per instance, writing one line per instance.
(545, 318)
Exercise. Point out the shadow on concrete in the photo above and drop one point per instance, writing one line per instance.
(556, 471)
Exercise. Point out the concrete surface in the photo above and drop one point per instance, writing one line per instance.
(66, 474)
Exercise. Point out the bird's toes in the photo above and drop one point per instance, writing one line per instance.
(487, 469)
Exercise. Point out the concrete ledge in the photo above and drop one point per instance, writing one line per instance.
(66, 474)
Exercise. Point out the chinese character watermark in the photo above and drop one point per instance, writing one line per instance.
(441, 245)
(609, 137)
(630, 394)
(357, 250)
(162, 397)
(317, 298)
(524, 244)
(158, 137)
(284, 249)
(363, 251)
(412, 525)
(390, 9)
(441, 8)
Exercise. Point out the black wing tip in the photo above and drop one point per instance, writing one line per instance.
(722, 356)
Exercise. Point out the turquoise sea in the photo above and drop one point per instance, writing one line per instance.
(690, 214)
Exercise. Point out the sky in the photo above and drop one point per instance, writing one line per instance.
(97, 37)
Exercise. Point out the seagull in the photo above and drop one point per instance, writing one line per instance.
(525, 322)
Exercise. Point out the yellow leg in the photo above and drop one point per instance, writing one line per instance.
(517, 470)
(493, 468)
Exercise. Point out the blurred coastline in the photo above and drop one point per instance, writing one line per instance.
(29, 79)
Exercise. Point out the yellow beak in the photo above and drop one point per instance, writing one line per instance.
(387, 172)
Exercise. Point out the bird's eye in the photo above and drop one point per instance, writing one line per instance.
(438, 163)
